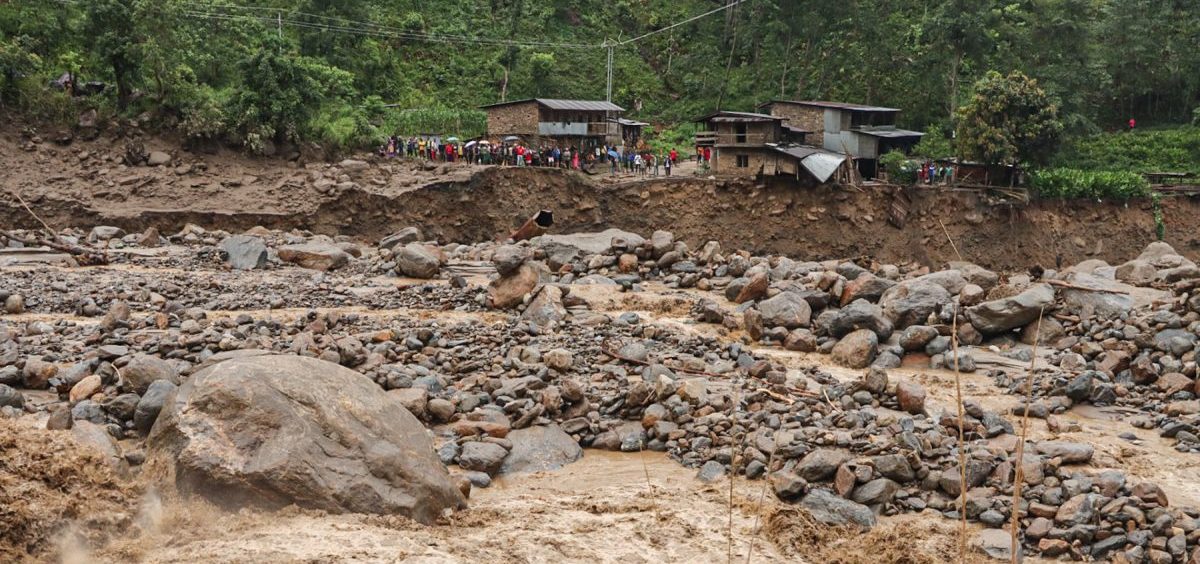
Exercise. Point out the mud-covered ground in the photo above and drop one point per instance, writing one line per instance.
(86, 184)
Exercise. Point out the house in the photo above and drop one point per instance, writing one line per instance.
(749, 144)
(864, 132)
(739, 141)
(581, 123)
(631, 131)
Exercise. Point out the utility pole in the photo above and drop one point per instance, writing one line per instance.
(608, 92)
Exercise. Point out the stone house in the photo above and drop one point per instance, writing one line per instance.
(864, 132)
(749, 144)
(580, 123)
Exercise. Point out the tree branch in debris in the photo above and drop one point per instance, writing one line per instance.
(85, 256)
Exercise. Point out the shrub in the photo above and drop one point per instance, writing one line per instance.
(1074, 183)
(900, 169)
(1174, 149)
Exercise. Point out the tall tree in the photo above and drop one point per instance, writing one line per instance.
(1009, 119)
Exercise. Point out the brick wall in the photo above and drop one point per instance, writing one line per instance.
(513, 119)
(804, 117)
(725, 159)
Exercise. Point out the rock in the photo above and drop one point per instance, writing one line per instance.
(37, 373)
(10, 397)
(158, 158)
(85, 388)
(144, 369)
(508, 258)
(830, 509)
(1049, 334)
(1005, 314)
(277, 430)
(559, 359)
(151, 403)
(60, 419)
(482, 456)
(440, 409)
(821, 464)
(244, 252)
(911, 397)
(105, 233)
(894, 467)
(1151, 493)
(415, 400)
(974, 275)
(1079, 510)
(314, 256)
(752, 320)
(875, 492)
(540, 449)
(14, 304)
(1070, 453)
(509, 291)
(1080, 387)
(866, 286)
(1137, 273)
(915, 337)
(857, 349)
(354, 165)
(912, 302)
(996, 543)
(755, 288)
(711, 471)
(801, 340)
(1103, 304)
(788, 485)
(401, 237)
(785, 310)
(860, 314)
(661, 242)
(546, 309)
(971, 295)
(416, 261)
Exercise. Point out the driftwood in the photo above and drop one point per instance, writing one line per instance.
(1070, 286)
(85, 256)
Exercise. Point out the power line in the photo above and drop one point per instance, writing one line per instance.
(687, 21)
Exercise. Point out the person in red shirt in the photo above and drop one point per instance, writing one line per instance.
(707, 156)
(1132, 123)
(674, 157)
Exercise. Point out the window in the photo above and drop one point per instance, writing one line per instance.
(743, 161)
(741, 134)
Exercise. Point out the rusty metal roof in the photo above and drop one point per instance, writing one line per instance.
(734, 117)
(833, 105)
(571, 105)
(888, 133)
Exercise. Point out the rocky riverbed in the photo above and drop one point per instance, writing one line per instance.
(270, 369)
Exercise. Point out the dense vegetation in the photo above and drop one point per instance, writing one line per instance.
(324, 69)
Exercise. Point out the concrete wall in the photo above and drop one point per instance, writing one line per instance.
(513, 119)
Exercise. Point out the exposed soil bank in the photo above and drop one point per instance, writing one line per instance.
(461, 203)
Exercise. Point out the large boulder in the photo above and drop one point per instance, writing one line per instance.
(143, 370)
(509, 291)
(831, 509)
(856, 350)
(416, 261)
(546, 309)
(911, 302)
(315, 256)
(272, 431)
(786, 309)
(508, 258)
(860, 314)
(865, 286)
(244, 252)
(974, 274)
(1005, 314)
(540, 449)
(401, 237)
(1162, 255)
(1103, 304)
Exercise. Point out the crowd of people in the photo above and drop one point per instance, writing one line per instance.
(931, 173)
(641, 162)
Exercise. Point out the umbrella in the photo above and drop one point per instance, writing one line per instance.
(451, 139)
(512, 138)
(614, 154)
(469, 144)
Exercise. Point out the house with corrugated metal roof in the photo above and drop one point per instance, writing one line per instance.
(751, 144)
(861, 131)
(579, 123)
